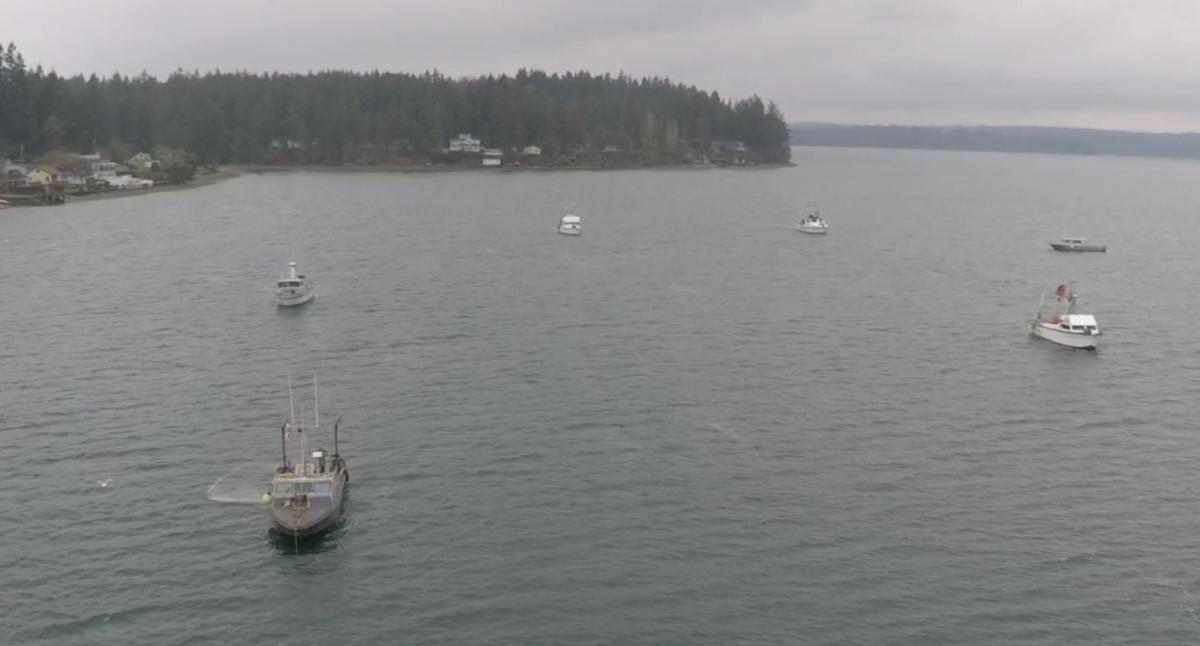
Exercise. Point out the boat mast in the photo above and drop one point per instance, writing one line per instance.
(291, 402)
(316, 405)
(300, 430)
(335, 434)
(291, 422)
(1071, 297)
(283, 442)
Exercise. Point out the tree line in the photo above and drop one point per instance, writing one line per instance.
(338, 117)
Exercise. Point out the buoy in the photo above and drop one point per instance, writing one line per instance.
(266, 498)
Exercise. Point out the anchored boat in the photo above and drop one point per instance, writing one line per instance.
(1076, 244)
(813, 223)
(1066, 328)
(293, 288)
(307, 496)
(570, 225)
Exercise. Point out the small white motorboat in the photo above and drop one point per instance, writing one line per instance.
(1067, 328)
(570, 225)
(1076, 244)
(293, 288)
(813, 223)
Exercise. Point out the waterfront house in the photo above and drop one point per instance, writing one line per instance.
(288, 144)
(102, 171)
(43, 175)
(729, 152)
(492, 156)
(143, 162)
(532, 151)
(11, 174)
(465, 143)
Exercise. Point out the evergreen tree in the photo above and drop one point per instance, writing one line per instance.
(340, 117)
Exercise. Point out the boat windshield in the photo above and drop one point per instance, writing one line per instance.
(289, 489)
(290, 283)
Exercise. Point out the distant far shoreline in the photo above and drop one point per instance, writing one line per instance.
(1014, 139)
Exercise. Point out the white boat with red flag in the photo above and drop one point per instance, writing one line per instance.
(1068, 327)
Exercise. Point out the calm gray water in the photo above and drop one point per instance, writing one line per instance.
(690, 425)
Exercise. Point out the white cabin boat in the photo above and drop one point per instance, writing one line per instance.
(813, 223)
(570, 225)
(293, 288)
(1067, 328)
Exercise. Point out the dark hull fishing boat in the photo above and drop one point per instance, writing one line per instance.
(306, 497)
(1077, 244)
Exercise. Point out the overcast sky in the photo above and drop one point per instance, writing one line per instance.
(1094, 63)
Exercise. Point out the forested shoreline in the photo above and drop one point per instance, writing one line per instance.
(369, 118)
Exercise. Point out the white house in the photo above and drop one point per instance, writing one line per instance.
(143, 161)
(492, 156)
(465, 143)
(532, 151)
(124, 182)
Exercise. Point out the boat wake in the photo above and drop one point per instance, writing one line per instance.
(238, 488)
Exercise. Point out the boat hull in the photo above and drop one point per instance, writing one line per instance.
(294, 300)
(813, 230)
(1059, 246)
(1063, 337)
(322, 524)
(318, 517)
(568, 230)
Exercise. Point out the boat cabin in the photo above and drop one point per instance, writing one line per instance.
(570, 219)
(281, 489)
(292, 283)
(1079, 323)
(314, 478)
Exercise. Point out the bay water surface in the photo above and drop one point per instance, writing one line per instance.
(691, 424)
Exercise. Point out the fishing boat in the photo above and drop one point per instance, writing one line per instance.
(293, 288)
(306, 496)
(1076, 244)
(813, 223)
(570, 225)
(1067, 328)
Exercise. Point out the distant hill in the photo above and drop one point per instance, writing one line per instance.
(1030, 139)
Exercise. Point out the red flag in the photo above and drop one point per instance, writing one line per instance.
(1061, 291)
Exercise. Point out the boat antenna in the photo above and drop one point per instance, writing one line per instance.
(316, 404)
(335, 434)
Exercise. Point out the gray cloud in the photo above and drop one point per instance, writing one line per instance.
(1102, 63)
